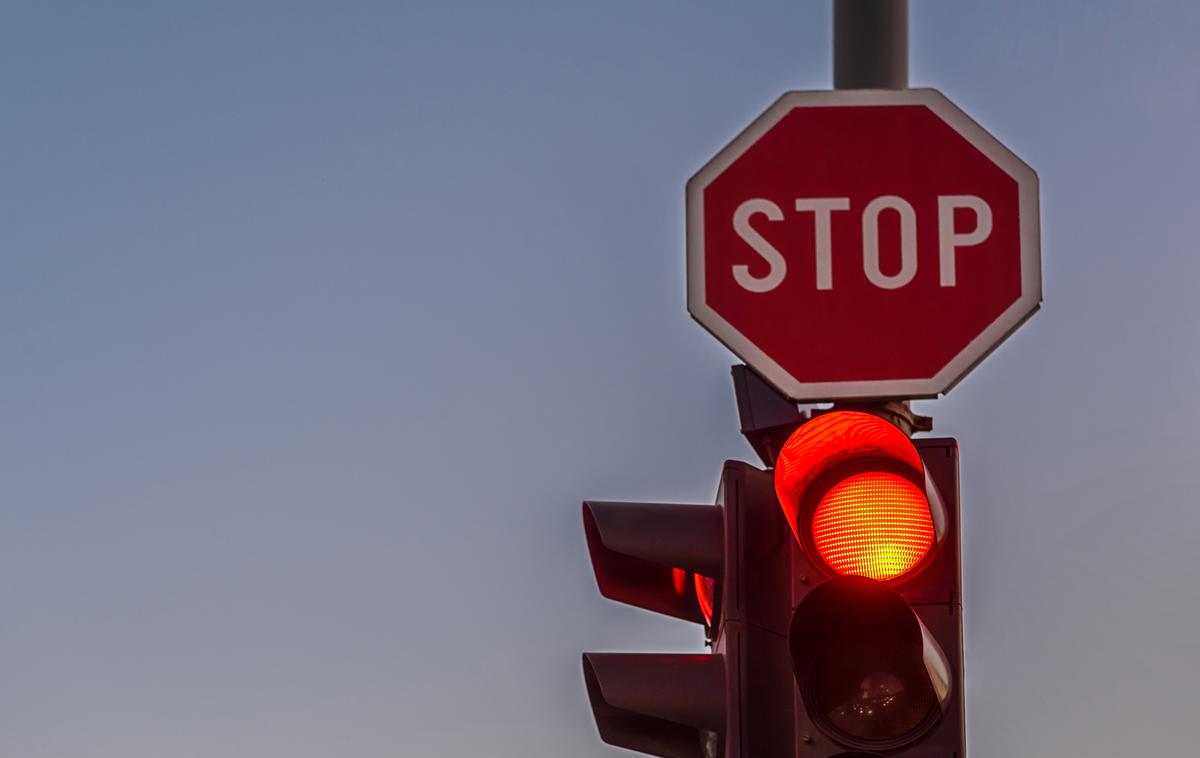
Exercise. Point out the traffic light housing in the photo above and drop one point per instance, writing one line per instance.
(875, 639)
(726, 566)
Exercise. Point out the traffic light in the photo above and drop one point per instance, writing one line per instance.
(875, 639)
(727, 566)
(828, 588)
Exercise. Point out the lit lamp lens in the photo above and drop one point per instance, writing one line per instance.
(706, 590)
(874, 524)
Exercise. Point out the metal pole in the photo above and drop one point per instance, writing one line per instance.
(870, 44)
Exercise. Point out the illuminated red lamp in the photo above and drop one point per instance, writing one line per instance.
(704, 587)
(853, 489)
(679, 580)
(874, 524)
(706, 591)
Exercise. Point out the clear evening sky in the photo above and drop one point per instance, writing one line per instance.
(320, 319)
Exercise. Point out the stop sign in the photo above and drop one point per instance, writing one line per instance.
(863, 244)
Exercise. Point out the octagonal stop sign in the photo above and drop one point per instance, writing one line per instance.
(863, 244)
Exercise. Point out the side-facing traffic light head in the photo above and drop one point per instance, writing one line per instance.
(727, 566)
(657, 703)
(657, 556)
(875, 637)
(665, 558)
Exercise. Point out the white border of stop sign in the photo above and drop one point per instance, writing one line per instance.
(899, 387)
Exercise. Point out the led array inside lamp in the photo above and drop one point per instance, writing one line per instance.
(874, 524)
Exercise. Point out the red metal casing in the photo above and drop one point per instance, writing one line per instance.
(737, 701)
(933, 593)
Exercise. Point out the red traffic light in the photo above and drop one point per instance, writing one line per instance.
(874, 524)
(854, 490)
(875, 636)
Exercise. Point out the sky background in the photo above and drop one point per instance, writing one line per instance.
(320, 319)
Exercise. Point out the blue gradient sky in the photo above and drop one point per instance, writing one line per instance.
(320, 319)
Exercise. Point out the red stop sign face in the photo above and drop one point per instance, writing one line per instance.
(863, 244)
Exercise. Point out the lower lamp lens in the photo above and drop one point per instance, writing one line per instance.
(872, 700)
